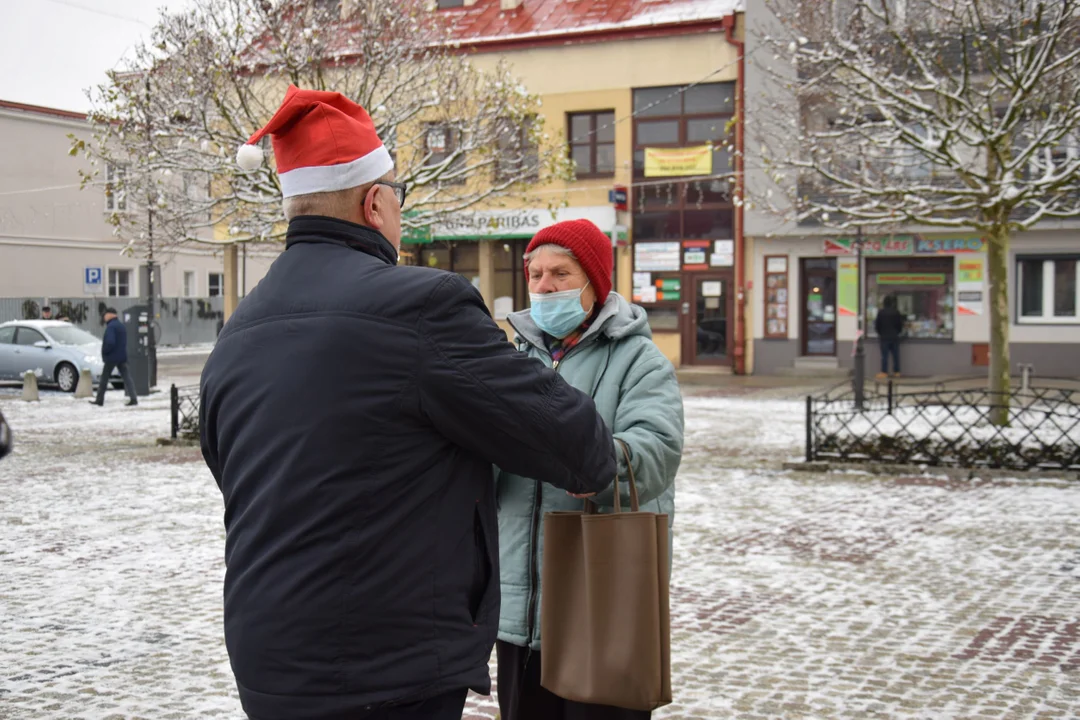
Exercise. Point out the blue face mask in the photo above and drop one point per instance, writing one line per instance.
(558, 313)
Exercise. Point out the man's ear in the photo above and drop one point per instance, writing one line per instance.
(373, 207)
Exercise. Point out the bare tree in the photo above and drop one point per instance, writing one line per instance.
(212, 75)
(956, 114)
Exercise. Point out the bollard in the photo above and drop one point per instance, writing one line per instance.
(29, 387)
(85, 387)
(1026, 370)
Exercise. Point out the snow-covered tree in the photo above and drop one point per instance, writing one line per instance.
(954, 114)
(210, 76)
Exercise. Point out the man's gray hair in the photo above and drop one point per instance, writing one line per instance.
(336, 204)
(553, 248)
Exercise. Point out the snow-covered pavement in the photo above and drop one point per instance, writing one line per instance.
(794, 596)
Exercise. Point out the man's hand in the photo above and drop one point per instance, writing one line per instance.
(581, 497)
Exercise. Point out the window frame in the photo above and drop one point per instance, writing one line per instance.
(592, 143)
(453, 144)
(115, 199)
(131, 280)
(209, 285)
(1048, 279)
(456, 4)
(885, 265)
(193, 289)
(528, 152)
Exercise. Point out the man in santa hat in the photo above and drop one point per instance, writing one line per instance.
(351, 413)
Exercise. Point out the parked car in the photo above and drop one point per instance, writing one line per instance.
(58, 351)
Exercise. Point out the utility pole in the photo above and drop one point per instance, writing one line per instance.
(858, 377)
(151, 340)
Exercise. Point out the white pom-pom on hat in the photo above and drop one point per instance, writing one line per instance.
(249, 157)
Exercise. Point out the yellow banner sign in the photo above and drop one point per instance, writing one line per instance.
(671, 162)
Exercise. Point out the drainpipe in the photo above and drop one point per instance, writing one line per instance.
(739, 351)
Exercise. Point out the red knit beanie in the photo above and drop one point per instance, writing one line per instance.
(590, 246)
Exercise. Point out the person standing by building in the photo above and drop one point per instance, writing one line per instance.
(114, 354)
(46, 313)
(889, 326)
(351, 412)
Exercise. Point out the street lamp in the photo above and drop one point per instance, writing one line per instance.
(859, 375)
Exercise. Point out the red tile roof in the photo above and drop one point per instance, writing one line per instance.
(8, 105)
(542, 21)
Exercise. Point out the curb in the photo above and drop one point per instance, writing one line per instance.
(951, 472)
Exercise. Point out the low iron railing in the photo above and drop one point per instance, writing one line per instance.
(184, 410)
(948, 423)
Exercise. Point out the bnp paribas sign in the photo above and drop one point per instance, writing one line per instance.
(520, 223)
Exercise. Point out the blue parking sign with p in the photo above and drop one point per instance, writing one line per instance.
(92, 280)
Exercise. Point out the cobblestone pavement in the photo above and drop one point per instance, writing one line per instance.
(794, 595)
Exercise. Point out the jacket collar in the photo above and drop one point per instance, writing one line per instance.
(319, 229)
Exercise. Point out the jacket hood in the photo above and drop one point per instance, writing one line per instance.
(618, 319)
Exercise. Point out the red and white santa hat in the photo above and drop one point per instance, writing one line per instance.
(322, 142)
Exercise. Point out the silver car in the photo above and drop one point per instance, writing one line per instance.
(55, 351)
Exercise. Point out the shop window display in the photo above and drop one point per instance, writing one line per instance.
(924, 294)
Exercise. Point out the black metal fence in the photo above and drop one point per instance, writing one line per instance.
(948, 423)
(184, 410)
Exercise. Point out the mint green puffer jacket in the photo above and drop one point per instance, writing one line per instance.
(635, 391)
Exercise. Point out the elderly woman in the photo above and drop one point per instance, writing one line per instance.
(600, 344)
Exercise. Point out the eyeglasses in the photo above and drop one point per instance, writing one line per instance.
(400, 189)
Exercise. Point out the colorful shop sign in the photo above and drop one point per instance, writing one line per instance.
(847, 287)
(911, 278)
(895, 245)
(970, 272)
(950, 246)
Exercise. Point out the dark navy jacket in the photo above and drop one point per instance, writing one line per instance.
(351, 413)
(114, 344)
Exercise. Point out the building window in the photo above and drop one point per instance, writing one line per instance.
(691, 208)
(462, 258)
(518, 156)
(115, 192)
(592, 143)
(447, 4)
(215, 284)
(442, 142)
(189, 283)
(923, 288)
(119, 283)
(1048, 289)
(511, 288)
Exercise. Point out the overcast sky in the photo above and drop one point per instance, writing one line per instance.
(51, 51)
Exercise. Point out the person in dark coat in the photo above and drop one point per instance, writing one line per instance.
(351, 412)
(5, 437)
(889, 325)
(114, 354)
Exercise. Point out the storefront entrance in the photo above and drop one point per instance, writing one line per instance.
(707, 312)
(818, 307)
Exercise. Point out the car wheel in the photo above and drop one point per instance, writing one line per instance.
(66, 377)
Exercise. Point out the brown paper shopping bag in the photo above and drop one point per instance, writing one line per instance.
(604, 614)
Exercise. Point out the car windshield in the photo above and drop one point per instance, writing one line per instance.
(71, 335)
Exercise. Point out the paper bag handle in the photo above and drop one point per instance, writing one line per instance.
(590, 506)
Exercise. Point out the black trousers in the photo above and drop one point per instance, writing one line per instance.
(890, 347)
(522, 698)
(106, 377)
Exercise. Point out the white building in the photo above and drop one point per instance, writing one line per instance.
(55, 241)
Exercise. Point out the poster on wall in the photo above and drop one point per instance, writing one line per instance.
(847, 287)
(776, 297)
(969, 286)
(673, 162)
(657, 256)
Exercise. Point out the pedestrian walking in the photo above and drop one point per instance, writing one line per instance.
(889, 325)
(114, 354)
(600, 344)
(5, 436)
(351, 412)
